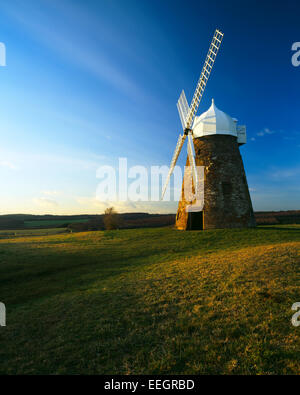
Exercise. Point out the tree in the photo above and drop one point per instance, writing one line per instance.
(111, 219)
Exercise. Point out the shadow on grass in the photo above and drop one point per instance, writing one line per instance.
(71, 263)
(291, 229)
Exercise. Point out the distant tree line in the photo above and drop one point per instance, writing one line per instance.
(112, 220)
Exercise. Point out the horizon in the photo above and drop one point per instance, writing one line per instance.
(124, 213)
(79, 92)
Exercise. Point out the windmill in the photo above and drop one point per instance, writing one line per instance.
(220, 197)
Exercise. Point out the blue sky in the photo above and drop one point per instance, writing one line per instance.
(87, 82)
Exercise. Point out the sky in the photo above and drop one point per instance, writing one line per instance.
(87, 82)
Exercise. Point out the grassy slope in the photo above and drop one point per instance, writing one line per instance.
(151, 301)
(55, 222)
(31, 232)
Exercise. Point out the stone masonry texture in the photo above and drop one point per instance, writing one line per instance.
(227, 202)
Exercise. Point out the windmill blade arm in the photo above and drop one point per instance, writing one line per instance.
(204, 77)
(191, 155)
(178, 148)
(183, 108)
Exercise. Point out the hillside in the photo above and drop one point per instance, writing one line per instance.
(277, 217)
(127, 221)
(83, 222)
(151, 301)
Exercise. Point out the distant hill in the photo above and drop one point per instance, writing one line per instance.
(27, 221)
(127, 220)
(83, 222)
(277, 217)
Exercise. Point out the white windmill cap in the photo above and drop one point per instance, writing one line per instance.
(214, 121)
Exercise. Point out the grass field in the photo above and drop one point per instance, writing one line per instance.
(151, 301)
(31, 232)
(47, 223)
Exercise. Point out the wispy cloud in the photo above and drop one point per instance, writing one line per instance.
(75, 50)
(8, 165)
(265, 131)
(80, 161)
(286, 173)
(93, 205)
(51, 193)
(45, 202)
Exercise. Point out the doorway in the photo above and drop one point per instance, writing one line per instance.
(195, 220)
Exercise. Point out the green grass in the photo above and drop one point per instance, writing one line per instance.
(55, 222)
(31, 232)
(151, 301)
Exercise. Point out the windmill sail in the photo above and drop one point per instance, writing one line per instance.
(183, 108)
(179, 145)
(204, 76)
(191, 155)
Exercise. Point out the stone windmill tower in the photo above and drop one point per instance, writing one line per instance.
(215, 192)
